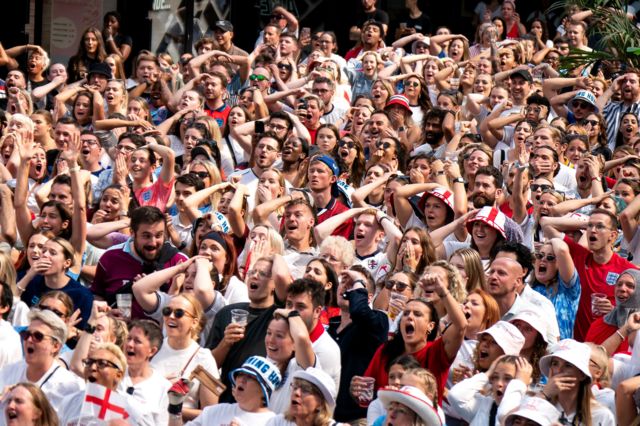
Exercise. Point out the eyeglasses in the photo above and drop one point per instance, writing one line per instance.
(267, 148)
(319, 91)
(593, 123)
(326, 41)
(177, 313)
(283, 66)
(278, 127)
(186, 121)
(37, 336)
(91, 142)
(261, 274)
(277, 17)
(383, 145)
(125, 148)
(348, 144)
(542, 187)
(101, 363)
(201, 175)
(597, 226)
(259, 77)
(54, 310)
(549, 257)
(306, 388)
(411, 84)
(399, 286)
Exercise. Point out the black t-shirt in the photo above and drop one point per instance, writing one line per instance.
(252, 344)
(376, 15)
(422, 23)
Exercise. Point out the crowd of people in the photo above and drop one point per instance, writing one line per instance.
(424, 228)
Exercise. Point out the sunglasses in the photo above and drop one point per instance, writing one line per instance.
(542, 187)
(178, 312)
(259, 77)
(390, 284)
(593, 123)
(581, 105)
(549, 257)
(348, 144)
(277, 17)
(284, 67)
(383, 145)
(35, 335)
(201, 175)
(101, 363)
(54, 310)
(411, 84)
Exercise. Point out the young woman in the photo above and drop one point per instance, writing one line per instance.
(27, 405)
(400, 115)
(380, 93)
(232, 155)
(116, 97)
(362, 80)
(327, 138)
(117, 67)
(112, 205)
(534, 329)
(181, 353)
(596, 126)
(416, 251)
(320, 270)
(396, 290)
(627, 130)
(351, 160)
(43, 129)
(417, 92)
(91, 50)
(569, 384)
(218, 247)
(469, 264)
(555, 277)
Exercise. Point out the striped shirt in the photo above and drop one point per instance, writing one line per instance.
(613, 113)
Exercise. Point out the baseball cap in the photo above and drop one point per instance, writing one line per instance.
(329, 161)
(264, 371)
(585, 96)
(524, 74)
(322, 381)
(398, 100)
(225, 26)
(507, 336)
(100, 68)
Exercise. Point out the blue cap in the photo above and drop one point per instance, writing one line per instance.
(264, 371)
(329, 161)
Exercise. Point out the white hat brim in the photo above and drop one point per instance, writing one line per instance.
(422, 409)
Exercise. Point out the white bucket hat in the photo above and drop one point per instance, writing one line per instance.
(534, 320)
(492, 217)
(575, 353)
(414, 399)
(507, 336)
(322, 381)
(535, 409)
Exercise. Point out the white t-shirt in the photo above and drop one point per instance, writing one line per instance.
(56, 383)
(150, 393)
(328, 353)
(378, 264)
(10, 344)
(223, 414)
(169, 362)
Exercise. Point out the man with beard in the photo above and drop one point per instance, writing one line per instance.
(15, 78)
(325, 89)
(598, 265)
(487, 188)
(434, 132)
(372, 39)
(627, 84)
(146, 251)
(519, 90)
(223, 33)
(214, 105)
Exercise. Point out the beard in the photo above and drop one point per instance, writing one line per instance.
(142, 251)
(433, 138)
(482, 200)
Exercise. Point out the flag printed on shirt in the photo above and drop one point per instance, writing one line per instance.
(104, 404)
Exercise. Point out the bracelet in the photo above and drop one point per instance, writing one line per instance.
(74, 169)
(458, 180)
(175, 409)
(597, 178)
(620, 334)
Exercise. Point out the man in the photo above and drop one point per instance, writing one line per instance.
(288, 47)
(232, 343)
(369, 11)
(66, 129)
(504, 278)
(299, 245)
(281, 21)
(223, 33)
(91, 153)
(549, 164)
(371, 227)
(519, 89)
(99, 75)
(307, 296)
(180, 226)
(10, 343)
(371, 38)
(265, 153)
(487, 187)
(589, 172)
(523, 256)
(146, 251)
(325, 89)
(576, 34)
(359, 331)
(433, 133)
(146, 72)
(214, 105)
(629, 86)
(598, 265)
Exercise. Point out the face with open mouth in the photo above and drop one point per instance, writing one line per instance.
(599, 232)
(366, 232)
(215, 252)
(40, 352)
(148, 240)
(35, 247)
(435, 213)
(545, 270)
(19, 407)
(138, 348)
(104, 371)
(185, 325)
(50, 220)
(278, 341)
(247, 390)
(114, 93)
(298, 221)
(259, 282)
(474, 310)
(625, 287)
(487, 351)
(305, 399)
(630, 87)
(416, 323)
(483, 235)
(503, 373)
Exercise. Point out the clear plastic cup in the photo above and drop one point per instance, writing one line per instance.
(595, 297)
(367, 387)
(396, 305)
(239, 316)
(123, 302)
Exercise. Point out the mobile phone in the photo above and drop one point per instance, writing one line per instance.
(305, 32)
(259, 127)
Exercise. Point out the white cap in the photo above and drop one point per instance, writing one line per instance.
(535, 409)
(507, 336)
(322, 381)
(575, 353)
(414, 399)
(534, 320)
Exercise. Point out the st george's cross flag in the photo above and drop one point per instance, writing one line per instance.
(103, 404)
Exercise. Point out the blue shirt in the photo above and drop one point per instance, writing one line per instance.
(565, 301)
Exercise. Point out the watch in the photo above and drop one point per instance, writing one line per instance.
(458, 180)
(293, 313)
(89, 329)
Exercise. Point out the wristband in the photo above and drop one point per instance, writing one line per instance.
(293, 314)
(620, 334)
(597, 178)
(74, 169)
(458, 180)
(175, 409)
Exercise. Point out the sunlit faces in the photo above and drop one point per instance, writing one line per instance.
(136, 108)
(576, 149)
(416, 323)
(35, 247)
(487, 351)
(475, 310)
(482, 84)
(435, 212)
(278, 341)
(298, 221)
(215, 252)
(148, 240)
(625, 287)
(315, 270)
(90, 41)
(600, 232)
(624, 191)
(19, 407)
(326, 140)
(503, 373)
(51, 220)
(320, 176)
(559, 366)
(271, 182)
(545, 266)
(304, 305)
(266, 152)
(91, 150)
(260, 283)
(41, 352)
(367, 232)
(63, 134)
(140, 166)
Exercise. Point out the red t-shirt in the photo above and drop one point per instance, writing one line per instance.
(601, 331)
(594, 278)
(508, 211)
(432, 357)
(220, 115)
(336, 207)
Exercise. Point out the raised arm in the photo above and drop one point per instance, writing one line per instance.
(629, 219)
(167, 172)
(235, 215)
(262, 211)
(42, 91)
(553, 227)
(23, 214)
(305, 356)
(203, 287)
(7, 217)
(566, 268)
(359, 196)
(325, 229)
(192, 202)
(144, 290)
(401, 202)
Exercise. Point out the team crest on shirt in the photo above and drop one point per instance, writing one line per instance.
(372, 264)
(612, 277)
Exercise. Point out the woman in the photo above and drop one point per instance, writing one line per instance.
(52, 268)
(42, 342)
(362, 80)
(288, 346)
(416, 251)
(417, 336)
(253, 384)
(320, 270)
(417, 92)
(181, 353)
(112, 205)
(486, 34)
(313, 399)
(469, 264)
(408, 406)
(43, 129)
(389, 151)
(380, 93)
(482, 84)
(596, 126)
(513, 28)
(556, 277)
(605, 329)
(116, 97)
(271, 185)
(115, 42)
(502, 338)
(327, 138)
(218, 247)
(436, 205)
(400, 115)
(232, 155)
(569, 385)
(577, 146)
(26, 405)
(458, 50)
(91, 50)
(443, 271)
(472, 157)
(17, 316)
(351, 160)
(627, 130)
(534, 328)
(396, 290)
(117, 67)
